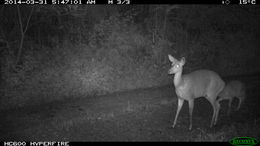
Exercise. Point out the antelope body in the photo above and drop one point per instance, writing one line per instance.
(200, 83)
(233, 89)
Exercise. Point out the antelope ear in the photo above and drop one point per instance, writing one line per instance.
(183, 60)
(171, 58)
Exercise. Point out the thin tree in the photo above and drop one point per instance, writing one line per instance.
(22, 31)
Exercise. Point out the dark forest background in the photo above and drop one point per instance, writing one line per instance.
(57, 52)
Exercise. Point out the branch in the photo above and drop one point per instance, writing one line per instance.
(20, 19)
(22, 33)
(28, 20)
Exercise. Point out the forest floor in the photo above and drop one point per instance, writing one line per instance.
(138, 115)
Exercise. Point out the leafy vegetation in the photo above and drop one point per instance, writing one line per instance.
(56, 52)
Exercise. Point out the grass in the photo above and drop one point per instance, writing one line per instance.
(227, 132)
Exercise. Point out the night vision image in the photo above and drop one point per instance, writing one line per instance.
(145, 72)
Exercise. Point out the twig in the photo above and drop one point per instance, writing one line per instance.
(22, 33)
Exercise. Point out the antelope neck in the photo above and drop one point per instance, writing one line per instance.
(177, 78)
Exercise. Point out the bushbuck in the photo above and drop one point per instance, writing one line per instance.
(199, 83)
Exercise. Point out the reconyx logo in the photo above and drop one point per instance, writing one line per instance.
(243, 141)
